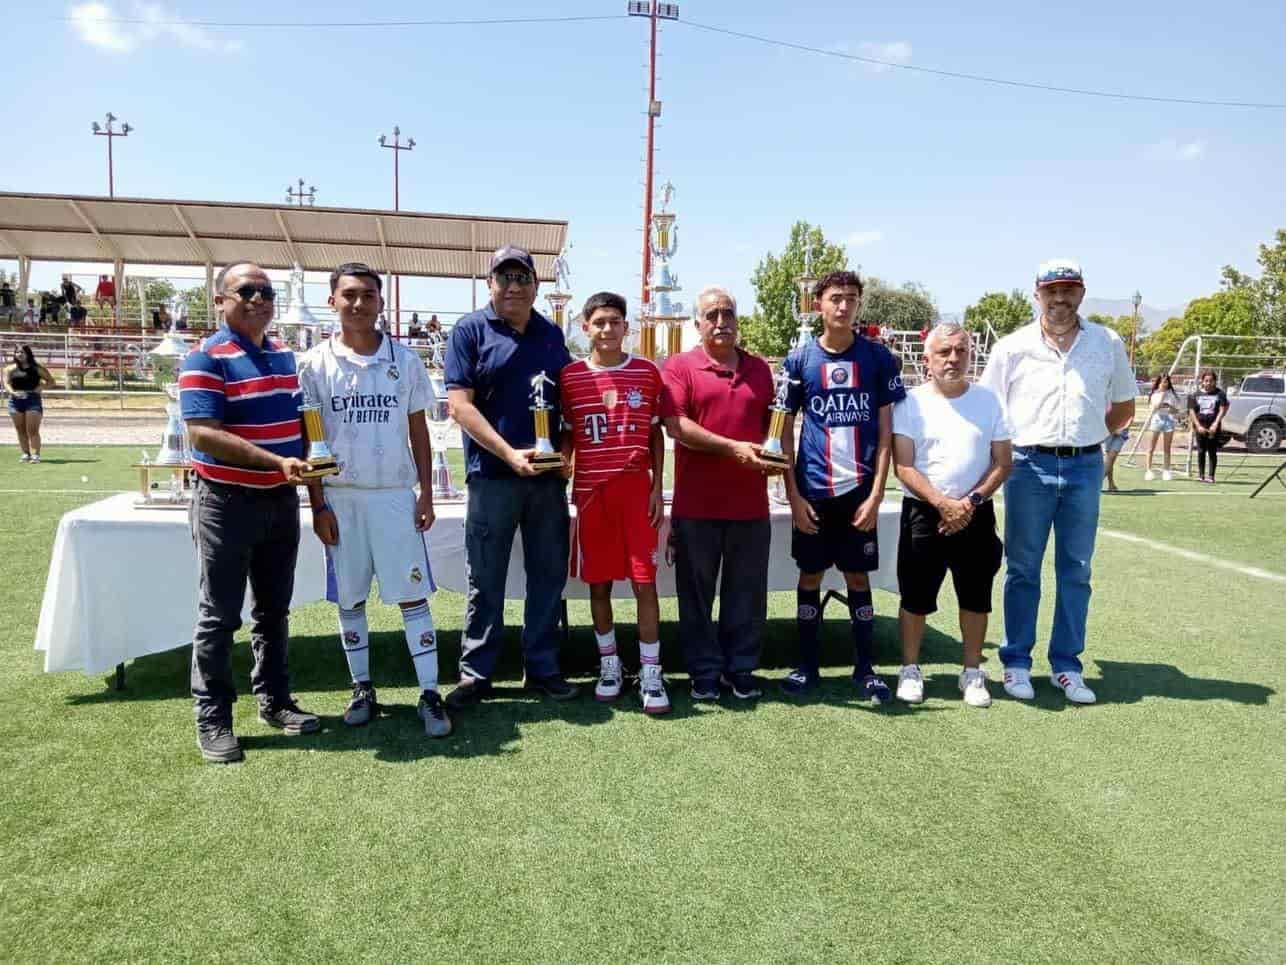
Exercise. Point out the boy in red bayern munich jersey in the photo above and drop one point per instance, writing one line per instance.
(612, 404)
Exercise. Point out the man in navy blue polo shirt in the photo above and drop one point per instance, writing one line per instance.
(239, 395)
(492, 356)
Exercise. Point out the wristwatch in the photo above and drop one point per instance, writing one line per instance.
(976, 499)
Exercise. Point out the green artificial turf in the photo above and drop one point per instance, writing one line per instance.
(1148, 828)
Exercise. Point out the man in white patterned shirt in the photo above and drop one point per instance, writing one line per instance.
(374, 393)
(1065, 384)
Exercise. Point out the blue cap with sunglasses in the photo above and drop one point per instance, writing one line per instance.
(515, 254)
(1059, 271)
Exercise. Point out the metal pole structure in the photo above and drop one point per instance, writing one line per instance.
(110, 133)
(397, 147)
(1134, 329)
(293, 196)
(653, 10)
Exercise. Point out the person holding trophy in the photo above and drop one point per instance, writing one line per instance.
(239, 395)
(612, 406)
(715, 406)
(373, 392)
(846, 388)
(502, 365)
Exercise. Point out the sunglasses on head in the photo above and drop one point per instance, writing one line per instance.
(523, 278)
(247, 292)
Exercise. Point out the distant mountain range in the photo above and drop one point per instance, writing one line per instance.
(1153, 318)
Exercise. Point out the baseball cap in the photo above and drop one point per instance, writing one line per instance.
(1059, 271)
(512, 253)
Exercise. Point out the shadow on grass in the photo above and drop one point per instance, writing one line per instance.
(46, 461)
(1124, 682)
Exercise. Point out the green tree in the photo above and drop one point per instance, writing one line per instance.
(194, 299)
(1268, 291)
(1233, 311)
(1004, 313)
(909, 308)
(771, 328)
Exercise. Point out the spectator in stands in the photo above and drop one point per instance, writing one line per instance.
(1206, 409)
(8, 307)
(50, 307)
(435, 327)
(24, 379)
(1163, 405)
(414, 330)
(71, 292)
(30, 314)
(105, 293)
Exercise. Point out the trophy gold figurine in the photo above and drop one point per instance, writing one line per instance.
(545, 458)
(321, 460)
(771, 451)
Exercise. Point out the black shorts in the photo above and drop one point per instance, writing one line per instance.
(837, 541)
(924, 555)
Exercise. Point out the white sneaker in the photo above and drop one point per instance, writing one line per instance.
(973, 684)
(1149, 476)
(1073, 687)
(911, 684)
(1018, 683)
(1166, 475)
(609, 678)
(25, 458)
(652, 690)
(35, 457)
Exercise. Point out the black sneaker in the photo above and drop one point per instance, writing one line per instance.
(555, 685)
(436, 721)
(744, 685)
(469, 691)
(286, 715)
(705, 688)
(799, 682)
(871, 688)
(218, 744)
(363, 707)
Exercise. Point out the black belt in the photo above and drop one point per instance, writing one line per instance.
(1063, 452)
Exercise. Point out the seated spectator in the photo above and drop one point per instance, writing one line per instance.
(8, 306)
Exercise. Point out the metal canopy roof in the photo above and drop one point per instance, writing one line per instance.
(50, 227)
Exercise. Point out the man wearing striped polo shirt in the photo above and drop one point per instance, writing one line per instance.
(240, 399)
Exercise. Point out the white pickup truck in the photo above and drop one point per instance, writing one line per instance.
(1257, 411)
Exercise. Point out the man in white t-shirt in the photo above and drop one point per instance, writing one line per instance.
(373, 393)
(1066, 384)
(951, 452)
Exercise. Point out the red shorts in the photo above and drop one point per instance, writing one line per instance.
(614, 536)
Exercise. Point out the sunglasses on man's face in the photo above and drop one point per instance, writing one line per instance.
(247, 292)
(506, 278)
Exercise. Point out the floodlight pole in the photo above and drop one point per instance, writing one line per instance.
(653, 10)
(1137, 299)
(397, 147)
(297, 197)
(111, 134)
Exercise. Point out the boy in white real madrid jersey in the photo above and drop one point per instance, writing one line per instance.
(373, 394)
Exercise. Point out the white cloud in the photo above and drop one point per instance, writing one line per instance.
(894, 52)
(859, 238)
(1172, 149)
(149, 24)
(87, 20)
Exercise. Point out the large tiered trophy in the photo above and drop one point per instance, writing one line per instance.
(805, 314)
(662, 282)
(299, 325)
(174, 459)
(444, 490)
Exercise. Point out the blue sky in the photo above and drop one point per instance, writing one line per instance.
(962, 186)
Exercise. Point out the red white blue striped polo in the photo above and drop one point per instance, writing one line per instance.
(253, 391)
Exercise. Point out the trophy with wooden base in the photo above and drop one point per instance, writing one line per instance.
(771, 451)
(321, 460)
(546, 458)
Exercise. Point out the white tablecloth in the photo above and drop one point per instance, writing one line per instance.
(122, 582)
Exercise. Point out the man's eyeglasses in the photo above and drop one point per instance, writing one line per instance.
(521, 278)
(247, 292)
(720, 315)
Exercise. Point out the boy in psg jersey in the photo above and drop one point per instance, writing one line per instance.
(374, 393)
(611, 404)
(845, 387)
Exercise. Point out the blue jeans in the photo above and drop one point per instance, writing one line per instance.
(497, 509)
(1047, 492)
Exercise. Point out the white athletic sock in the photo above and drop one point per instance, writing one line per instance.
(354, 637)
(606, 642)
(649, 653)
(422, 641)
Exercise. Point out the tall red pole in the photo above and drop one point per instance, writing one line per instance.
(397, 279)
(111, 182)
(647, 178)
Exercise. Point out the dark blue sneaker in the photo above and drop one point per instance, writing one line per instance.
(872, 688)
(744, 686)
(705, 688)
(799, 682)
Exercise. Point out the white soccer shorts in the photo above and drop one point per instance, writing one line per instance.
(377, 538)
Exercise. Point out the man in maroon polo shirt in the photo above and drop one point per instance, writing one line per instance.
(715, 406)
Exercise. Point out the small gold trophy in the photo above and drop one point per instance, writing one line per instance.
(545, 458)
(771, 451)
(321, 460)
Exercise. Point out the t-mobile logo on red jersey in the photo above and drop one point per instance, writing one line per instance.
(596, 426)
